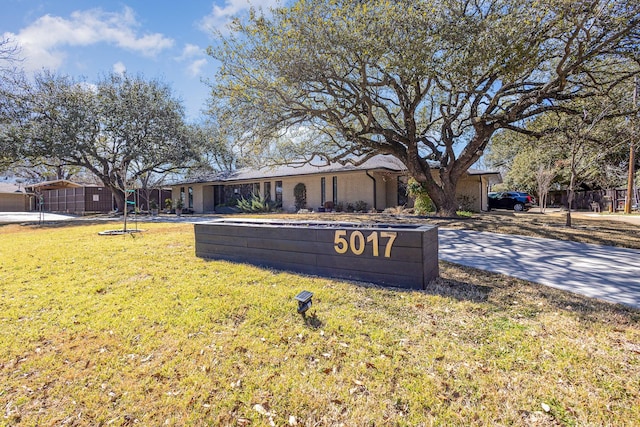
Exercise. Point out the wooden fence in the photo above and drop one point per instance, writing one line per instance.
(608, 200)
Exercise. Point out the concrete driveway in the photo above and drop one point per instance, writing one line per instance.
(604, 272)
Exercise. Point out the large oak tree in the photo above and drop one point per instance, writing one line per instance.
(427, 81)
(9, 58)
(121, 129)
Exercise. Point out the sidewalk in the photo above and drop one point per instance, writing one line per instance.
(18, 217)
(34, 217)
(632, 219)
(604, 272)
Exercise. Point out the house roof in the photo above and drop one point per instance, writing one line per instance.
(473, 171)
(57, 184)
(12, 187)
(377, 162)
(380, 162)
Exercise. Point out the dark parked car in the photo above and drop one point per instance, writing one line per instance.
(515, 200)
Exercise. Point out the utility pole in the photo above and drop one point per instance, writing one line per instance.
(632, 161)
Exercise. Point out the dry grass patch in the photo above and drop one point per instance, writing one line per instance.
(119, 330)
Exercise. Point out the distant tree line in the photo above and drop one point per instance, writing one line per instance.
(122, 131)
(591, 150)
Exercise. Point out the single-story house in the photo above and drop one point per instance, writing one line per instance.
(14, 198)
(379, 183)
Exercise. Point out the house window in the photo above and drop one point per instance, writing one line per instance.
(182, 194)
(335, 190)
(279, 194)
(323, 191)
(267, 191)
(190, 204)
(256, 188)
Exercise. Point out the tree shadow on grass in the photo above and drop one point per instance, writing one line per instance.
(461, 291)
(508, 293)
(588, 309)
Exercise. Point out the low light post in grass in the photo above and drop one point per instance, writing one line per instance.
(304, 302)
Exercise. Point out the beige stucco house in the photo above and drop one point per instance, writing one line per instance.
(379, 183)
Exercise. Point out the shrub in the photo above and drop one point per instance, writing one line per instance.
(254, 204)
(423, 204)
(465, 214)
(466, 203)
(360, 206)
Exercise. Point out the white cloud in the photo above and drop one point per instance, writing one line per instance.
(221, 16)
(195, 68)
(43, 42)
(195, 56)
(190, 51)
(119, 68)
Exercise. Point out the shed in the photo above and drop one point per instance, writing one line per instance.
(14, 198)
(65, 196)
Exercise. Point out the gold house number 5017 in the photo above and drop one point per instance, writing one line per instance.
(357, 242)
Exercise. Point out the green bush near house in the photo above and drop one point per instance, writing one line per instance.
(360, 206)
(466, 203)
(422, 202)
(254, 204)
(465, 214)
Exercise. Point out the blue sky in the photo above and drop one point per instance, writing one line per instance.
(90, 38)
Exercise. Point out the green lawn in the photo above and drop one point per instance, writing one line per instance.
(125, 330)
